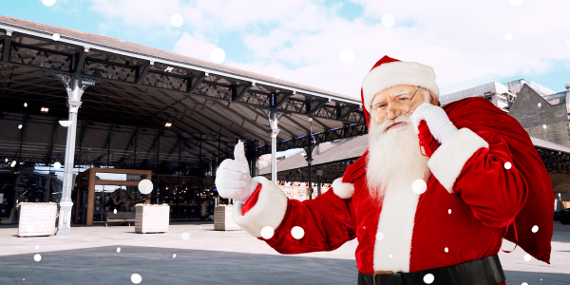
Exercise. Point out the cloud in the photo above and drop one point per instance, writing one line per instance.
(138, 13)
(301, 40)
(461, 40)
(195, 46)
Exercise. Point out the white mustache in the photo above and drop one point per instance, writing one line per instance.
(388, 123)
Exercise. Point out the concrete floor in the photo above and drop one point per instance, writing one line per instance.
(89, 256)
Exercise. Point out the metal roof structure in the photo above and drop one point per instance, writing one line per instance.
(137, 90)
(333, 161)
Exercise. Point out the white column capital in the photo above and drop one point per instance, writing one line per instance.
(274, 133)
(74, 105)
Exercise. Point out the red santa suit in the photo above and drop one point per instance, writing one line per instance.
(471, 200)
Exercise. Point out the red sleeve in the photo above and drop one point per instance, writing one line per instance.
(480, 168)
(326, 221)
(495, 192)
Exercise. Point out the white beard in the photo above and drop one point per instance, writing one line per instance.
(394, 156)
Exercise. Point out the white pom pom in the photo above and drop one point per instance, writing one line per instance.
(428, 278)
(297, 232)
(419, 186)
(267, 232)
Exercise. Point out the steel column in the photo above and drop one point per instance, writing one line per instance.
(75, 87)
(309, 158)
(74, 99)
(273, 123)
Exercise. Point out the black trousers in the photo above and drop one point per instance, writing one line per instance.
(484, 271)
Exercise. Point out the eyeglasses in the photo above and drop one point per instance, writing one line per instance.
(417, 88)
(401, 101)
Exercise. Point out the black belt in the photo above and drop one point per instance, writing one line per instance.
(484, 271)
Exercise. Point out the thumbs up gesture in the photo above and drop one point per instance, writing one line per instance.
(232, 178)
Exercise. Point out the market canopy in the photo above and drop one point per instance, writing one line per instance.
(138, 91)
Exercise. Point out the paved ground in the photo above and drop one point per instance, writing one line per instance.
(90, 256)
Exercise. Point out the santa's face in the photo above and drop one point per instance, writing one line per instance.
(398, 100)
(394, 156)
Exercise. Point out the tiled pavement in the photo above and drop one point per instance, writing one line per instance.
(89, 256)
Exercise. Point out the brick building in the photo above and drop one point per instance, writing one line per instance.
(546, 117)
(543, 116)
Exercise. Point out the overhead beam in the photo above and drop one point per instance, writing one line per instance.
(141, 72)
(192, 87)
(316, 108)
(285, 97)
(7, 47)
(78, 68)
(348, 112)
(235, 96)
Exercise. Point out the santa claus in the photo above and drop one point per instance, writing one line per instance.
(429, 201)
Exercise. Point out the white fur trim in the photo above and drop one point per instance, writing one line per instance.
(397, 73)
(342, 190)
(396, 223)
(448, 160)
(269, 210)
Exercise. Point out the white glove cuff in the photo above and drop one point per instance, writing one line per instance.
(446, 132)
(247, 191)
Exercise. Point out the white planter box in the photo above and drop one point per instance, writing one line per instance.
(152, 218)
(37, 219)
(223, 219)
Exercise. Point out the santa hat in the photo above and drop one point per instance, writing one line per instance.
(389, 72)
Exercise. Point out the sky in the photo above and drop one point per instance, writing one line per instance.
(332, 44)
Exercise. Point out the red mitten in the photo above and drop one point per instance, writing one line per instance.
(427, 140)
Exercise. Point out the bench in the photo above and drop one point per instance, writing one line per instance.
(120, 217)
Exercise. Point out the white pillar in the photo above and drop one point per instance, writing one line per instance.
(273, 121)
(74, 93)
